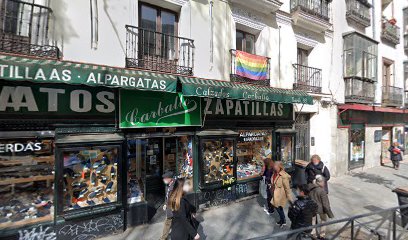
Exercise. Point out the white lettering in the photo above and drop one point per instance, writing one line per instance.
(107, 106)
(86, 101)
(52, 97)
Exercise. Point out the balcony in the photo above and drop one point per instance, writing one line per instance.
(392, 96)
(358, 11)
(307, 78)
(310, 14)
(406, 42)
(390, 32)
(263, 6)
(359, 91)
(24, 29)
(155, 51)
(242, 75)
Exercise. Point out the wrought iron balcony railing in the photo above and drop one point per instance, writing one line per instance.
(318, 8)
(235, 77)
(359, 91)
(392, 96)
(390, 32)
(155, 51)
(25, 29)
(307, 78)
(359, 12)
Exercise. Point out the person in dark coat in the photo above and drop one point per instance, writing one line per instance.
(396, 154)
(184, 225)
(267, 178)
(319, 196)
(317, 167)
(303, 210)
(168, 179)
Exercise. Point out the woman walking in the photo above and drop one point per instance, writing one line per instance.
(396, 154)
(267, 178)
(184, 225)
(319, 195)
(281, 192)
(317, 167)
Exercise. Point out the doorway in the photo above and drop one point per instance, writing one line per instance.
(385, 144)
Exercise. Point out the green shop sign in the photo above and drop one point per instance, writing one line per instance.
(243, 109)
(55, 101)
(51, 71)
(139, 109)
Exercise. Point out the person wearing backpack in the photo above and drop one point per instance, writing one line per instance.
(317, 167)
(302, 211)
(396, 154)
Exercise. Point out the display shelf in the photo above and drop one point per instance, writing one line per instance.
(47, 159)
(249, 177)
(9, 181)
(25, 222)
(244, 154)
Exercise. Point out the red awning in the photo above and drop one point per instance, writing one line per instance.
(362, 107)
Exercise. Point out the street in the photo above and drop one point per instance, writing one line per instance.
(352, 194)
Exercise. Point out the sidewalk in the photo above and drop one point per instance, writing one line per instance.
(353, 194)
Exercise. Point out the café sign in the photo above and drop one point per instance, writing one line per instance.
(139, 109)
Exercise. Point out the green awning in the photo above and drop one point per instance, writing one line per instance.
(53, 71)
(221, 89)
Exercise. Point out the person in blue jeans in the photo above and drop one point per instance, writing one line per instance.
(281, 191)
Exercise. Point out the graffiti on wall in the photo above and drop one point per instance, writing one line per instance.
(37, 233)
(91, 229)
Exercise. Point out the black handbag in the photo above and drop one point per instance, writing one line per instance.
(194, 222)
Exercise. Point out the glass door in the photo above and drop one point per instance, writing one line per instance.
(286, 149)
(154, 169)
(385, 144)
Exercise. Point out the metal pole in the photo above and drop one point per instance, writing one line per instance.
(394, 225)
(352, 230)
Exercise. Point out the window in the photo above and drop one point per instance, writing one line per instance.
(388, 73)
(245, 42)
(159, 28)
(253, 148)
(26, 181)
(218, 161)
(360, 57)
(90, 177)
(302, 56)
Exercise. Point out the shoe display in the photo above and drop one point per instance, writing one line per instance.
(104, 179)
(83, 192)
(100, 168)
(105, 160)
(109, 187)
(106, 200)
(93, 179)
(112, 171)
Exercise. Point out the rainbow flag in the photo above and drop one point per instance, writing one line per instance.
(251, 66)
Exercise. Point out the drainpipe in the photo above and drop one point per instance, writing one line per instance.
(279, 55)
(373, 18)
(211, 35)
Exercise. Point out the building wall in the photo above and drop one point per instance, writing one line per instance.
(372, 149)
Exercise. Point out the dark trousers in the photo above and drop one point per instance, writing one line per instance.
(281, 214)
(268, 200)
(396, 164)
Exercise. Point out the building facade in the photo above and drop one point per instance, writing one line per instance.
(99, 98)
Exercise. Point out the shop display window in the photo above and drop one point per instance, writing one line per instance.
(218, 161)
(136, 173)
(90, 177)
(26, 181)
(253, 148)
(287, 150)
(184, 157)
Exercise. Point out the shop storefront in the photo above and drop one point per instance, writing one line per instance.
(83, 147)
(376, 127)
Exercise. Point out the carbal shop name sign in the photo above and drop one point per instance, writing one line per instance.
(226, 108)
(55, 101)
(155, 109)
